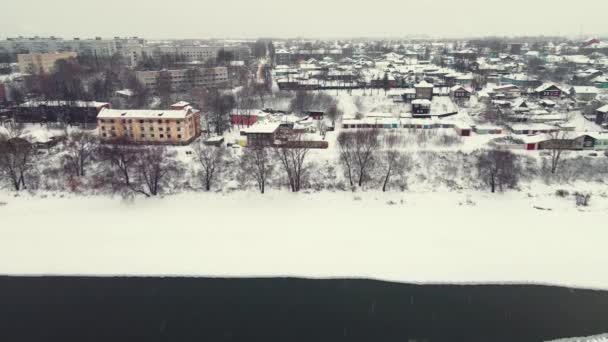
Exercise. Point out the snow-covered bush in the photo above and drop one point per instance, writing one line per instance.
(582, 200)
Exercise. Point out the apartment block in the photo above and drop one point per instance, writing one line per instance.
(41, 62)
(179, 125)
(185, 78)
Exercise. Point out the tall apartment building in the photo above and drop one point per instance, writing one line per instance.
(180, 78)
(179, 125)
(41, 62)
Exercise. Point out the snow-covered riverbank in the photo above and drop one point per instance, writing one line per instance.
(409, 237)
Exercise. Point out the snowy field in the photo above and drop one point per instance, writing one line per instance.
(429, 237)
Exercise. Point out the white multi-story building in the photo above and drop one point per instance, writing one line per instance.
(181, 79)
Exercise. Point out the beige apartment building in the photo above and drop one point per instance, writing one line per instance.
(178, 126)
(41, 62)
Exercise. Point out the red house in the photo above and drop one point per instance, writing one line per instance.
(243, 119)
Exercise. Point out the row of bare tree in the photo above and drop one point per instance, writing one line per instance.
(363, 153)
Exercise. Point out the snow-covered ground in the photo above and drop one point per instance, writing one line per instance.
(425, 236)
(597, 338)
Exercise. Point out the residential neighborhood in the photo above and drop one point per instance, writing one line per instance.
(237, 171)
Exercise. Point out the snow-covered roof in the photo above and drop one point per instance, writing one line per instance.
(267, 128)
(91, 104)
(424, 84)
(603, 109)
(547, 86)
(422, 102)
(585, 90)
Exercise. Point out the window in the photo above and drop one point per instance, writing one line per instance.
(151, 129)
(141, 121)
(102, 120)
(111, 121)
(179, 129)
(143, 135)
(179, 136)
(124, 122)
(113, 128)
(168, 136)
(160, 121)
(103, 128)
(151, 135)
(104, 135)
(162, 136)
(160, 129)
(129, 121)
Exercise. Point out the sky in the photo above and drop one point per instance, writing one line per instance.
(304, 18)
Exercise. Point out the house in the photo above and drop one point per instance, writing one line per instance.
(549, 90)
(424, 90)
(547, 103)
(154, 126)
(262, 134)
(459, 92)
(508, 91)
(575, 141)
(214, 141)
(484, 129)
(521, 128)
(520, 80)
(520, 106)
(584, 94)
(601, 115)
(600, 82)
(421, 106)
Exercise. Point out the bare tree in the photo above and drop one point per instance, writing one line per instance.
(498, 169)
(256, 165)
(365, 145)
(80, 149)
(121, 156)
(293, 161)
(557, 146)
(154, 167)
(393, 161)
(16, 158)
(346, 142)
(211, 159)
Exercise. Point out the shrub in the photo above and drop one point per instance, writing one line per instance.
(562, 193)
(582, 200)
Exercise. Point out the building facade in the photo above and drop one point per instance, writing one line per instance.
(41, 62)
(172, 126)
(185, 78)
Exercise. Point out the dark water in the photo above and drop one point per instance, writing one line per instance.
(288, 310)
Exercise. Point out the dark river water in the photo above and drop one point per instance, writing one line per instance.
(287, 310)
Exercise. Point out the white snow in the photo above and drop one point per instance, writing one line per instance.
(429, 236)
(597, 338)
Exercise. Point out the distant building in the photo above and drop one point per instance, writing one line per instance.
(172, 126)
(41, 62)
(72, 112)
(584, 93)
(549, 90)
(185, 78)
(421, 106)
(460, 93)
(424, 90)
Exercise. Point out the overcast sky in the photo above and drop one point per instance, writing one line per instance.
(305, 18)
